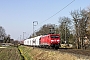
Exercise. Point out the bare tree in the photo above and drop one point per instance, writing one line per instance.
(2, 33)
(45, 29)
(64, 29)
(80, 19)
(88, 23)
(7, 39)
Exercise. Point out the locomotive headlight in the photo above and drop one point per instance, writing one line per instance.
(58, 40)
(52, 40)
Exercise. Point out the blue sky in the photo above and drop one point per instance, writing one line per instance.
(16, 16)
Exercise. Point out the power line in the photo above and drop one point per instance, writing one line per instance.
(57, 12)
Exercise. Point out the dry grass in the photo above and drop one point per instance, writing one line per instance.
(40, 54)
(9, 53)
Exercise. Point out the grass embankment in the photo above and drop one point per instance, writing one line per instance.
(25, 52)
(40, 54)
(9, 53)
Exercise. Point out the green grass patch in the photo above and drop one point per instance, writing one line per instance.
(25, 52)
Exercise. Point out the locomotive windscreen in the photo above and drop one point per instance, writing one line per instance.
(54, 36)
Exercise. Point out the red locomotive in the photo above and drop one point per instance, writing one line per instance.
(50, 40)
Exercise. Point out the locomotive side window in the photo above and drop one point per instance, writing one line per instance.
(54, 36)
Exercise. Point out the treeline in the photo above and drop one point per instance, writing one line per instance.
(72, 30)
(4, 38)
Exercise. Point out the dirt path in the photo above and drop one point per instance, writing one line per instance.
(3, 47)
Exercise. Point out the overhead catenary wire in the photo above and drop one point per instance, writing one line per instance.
(56, 13)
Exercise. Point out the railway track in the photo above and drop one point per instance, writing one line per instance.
(76, 51)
